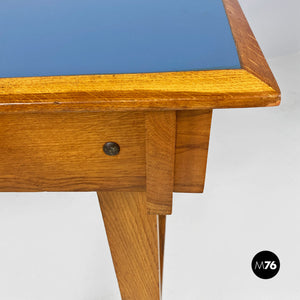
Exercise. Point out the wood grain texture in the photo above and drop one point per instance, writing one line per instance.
(160, 91)
(134, 243)
(160, 160)
(250, 54)
(192, 140)
(162, 238)
(63, 152)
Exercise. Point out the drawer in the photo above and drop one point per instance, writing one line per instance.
(64, 151)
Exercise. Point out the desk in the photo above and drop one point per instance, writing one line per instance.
(117, 97)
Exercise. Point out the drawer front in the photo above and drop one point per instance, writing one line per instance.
(64, 151)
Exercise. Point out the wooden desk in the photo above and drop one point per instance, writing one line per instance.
(117, 97)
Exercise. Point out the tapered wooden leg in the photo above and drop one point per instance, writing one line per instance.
(133, 236)
(162, 234)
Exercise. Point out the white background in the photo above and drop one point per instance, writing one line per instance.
(53, 245)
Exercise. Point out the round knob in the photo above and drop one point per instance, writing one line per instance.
(111, 148)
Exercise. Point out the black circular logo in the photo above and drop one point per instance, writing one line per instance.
(265, 264)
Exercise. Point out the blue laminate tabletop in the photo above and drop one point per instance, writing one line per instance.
(74, 37)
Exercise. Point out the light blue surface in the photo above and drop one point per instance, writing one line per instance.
(72, 37)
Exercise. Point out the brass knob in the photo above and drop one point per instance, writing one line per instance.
(111, 148)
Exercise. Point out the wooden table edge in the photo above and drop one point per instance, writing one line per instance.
(124, 92)
(250, 54)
